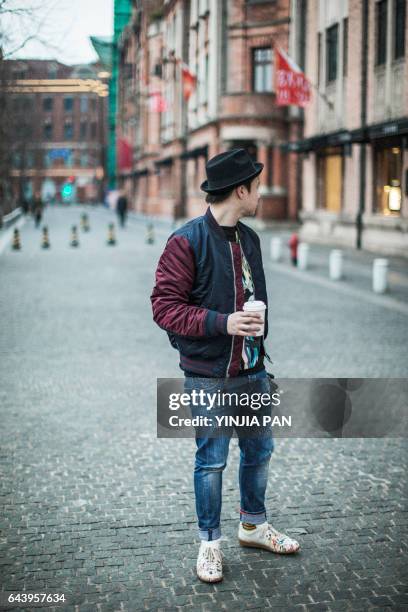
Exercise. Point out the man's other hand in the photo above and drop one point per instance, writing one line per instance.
(244, 323)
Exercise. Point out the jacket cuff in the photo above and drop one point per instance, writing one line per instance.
(215, 323)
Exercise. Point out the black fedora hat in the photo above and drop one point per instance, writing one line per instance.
(228, 169)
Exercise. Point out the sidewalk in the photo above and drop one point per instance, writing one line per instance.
(357, 264)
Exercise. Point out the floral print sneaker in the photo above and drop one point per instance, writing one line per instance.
(209, 562)
(265, 536)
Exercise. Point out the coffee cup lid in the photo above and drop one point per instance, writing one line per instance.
(255, 305)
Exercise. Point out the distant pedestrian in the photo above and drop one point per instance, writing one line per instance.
(121, 207)
(24, 204)
(37, 208)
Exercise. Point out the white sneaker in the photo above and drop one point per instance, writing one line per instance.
(265, 536)
(209, 561)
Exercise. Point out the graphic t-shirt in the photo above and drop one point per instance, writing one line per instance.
(251, 358)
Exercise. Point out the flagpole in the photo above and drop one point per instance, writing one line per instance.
(321, 94)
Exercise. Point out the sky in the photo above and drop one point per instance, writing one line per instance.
(61, 28)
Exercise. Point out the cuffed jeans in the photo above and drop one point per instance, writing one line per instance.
(256, 447)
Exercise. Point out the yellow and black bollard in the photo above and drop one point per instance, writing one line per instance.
(16, 245)
(45, 244)
(111, 235)
(85, 222)
(150, 233)
(74, 236)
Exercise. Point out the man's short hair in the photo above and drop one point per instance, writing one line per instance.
(221, 196)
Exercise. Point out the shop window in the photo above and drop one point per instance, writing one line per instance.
(388, 178)
(330, 173)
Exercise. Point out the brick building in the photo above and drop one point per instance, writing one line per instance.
(355, 152)
(58, 145)
(228, 46)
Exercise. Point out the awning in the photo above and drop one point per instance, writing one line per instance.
(321, 141)
(194, 153)
(142, 172)
(347, 137)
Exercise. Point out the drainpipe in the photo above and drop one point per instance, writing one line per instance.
(181, 206)
(364, 62)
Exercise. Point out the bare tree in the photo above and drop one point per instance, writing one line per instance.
(17, 141)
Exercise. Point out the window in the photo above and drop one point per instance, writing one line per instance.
(93, 104)
(68, 104)
(30, 159)
(47, 130)
(301, 37)
(319, 63)
(381, 37)
(83, 160)
(28, 104)
(93, 129)
(47, 104)
(52, 71)
(399, 28)
(83, 104)
(331, 52)
(68, 131)
(388, 177)
(83, 130)
(262, 69)
(345, 50)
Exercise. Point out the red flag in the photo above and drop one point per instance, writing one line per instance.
(157, 103)
(291, 85)
(125, 154)
(189, 81)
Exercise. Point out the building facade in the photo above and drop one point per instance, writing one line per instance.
(59, 141)
(355, 149)
(228, 46)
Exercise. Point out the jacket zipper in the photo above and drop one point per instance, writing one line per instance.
(235, 305)
(263, 343)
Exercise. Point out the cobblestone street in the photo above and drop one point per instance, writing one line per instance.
(98, 508)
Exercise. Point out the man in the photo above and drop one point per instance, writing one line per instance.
(209, 268)
(121, 207)
(37, 208)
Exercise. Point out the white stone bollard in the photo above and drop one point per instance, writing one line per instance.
(336, 264)
(380, 273)
(302, 256)
(276, 249)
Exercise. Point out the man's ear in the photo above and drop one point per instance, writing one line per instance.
(239, 192)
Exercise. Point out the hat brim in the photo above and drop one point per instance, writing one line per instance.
(204, 186)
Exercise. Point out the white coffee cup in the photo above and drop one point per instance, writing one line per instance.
(260, 307)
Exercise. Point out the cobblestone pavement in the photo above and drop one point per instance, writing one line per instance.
(95, 506)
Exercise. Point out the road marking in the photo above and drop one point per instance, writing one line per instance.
(4, 240)
(307, 277)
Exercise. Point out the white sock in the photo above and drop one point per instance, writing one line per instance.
(213, 543)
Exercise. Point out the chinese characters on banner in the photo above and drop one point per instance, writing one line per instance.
(291, 85)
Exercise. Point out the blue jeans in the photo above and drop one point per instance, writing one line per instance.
(256, 448)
